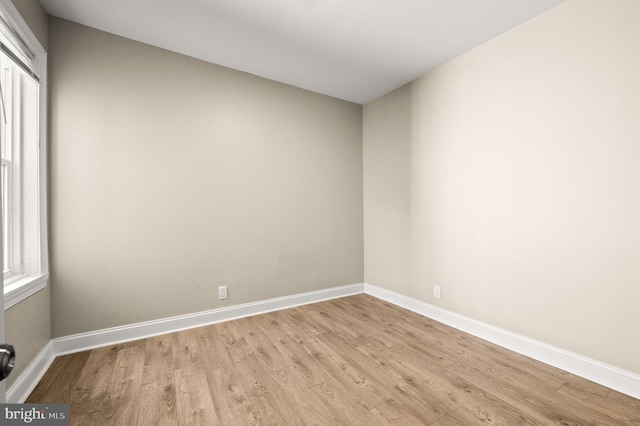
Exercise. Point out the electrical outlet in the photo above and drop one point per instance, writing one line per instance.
(222, 292)
(436, 291)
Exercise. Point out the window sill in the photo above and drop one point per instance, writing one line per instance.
(20, 289)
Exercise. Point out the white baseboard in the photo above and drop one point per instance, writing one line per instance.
(127, 333)
(27, 381)
(606, 375)
(596, 371)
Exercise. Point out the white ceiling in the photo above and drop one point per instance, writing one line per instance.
(351, 49)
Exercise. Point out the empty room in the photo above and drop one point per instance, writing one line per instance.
(320, 212)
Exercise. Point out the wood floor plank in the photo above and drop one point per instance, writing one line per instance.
(230, 399)
(265, 394)
(425, 333)
(158, 394)
(232, 337)
(606, 407)
(354, 360)
(372, 332)
(91, 387)
(266, 352)
(337, 405)
(123, 392)
(90, 419)
(368, 392)
(319, 315)
(59, 381)
(537, 408)
(483, 406)
(194, 404)
(186, 349)
(391, 413)
(629, 402)
(305, 362)
(472, 403)
(295, 318)
(546, 393)
(399, 386)
(216, 349)
(298, 390)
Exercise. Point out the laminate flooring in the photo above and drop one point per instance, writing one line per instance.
(350, 361)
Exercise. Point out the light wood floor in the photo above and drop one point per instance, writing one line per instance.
(355, 360)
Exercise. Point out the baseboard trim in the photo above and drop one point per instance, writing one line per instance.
(596, 371)
(601, 373)
(111, 336)
(27, 381)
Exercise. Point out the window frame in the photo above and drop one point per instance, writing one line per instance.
(21, 287)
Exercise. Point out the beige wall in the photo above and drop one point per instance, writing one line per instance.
(524, 182)
(28, 329)
(28, 323)
(387, 193)
(171, 176)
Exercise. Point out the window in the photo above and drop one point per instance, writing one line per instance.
(22, 152)
(18, 145)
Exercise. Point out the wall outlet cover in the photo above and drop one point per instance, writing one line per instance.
(222, 292)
